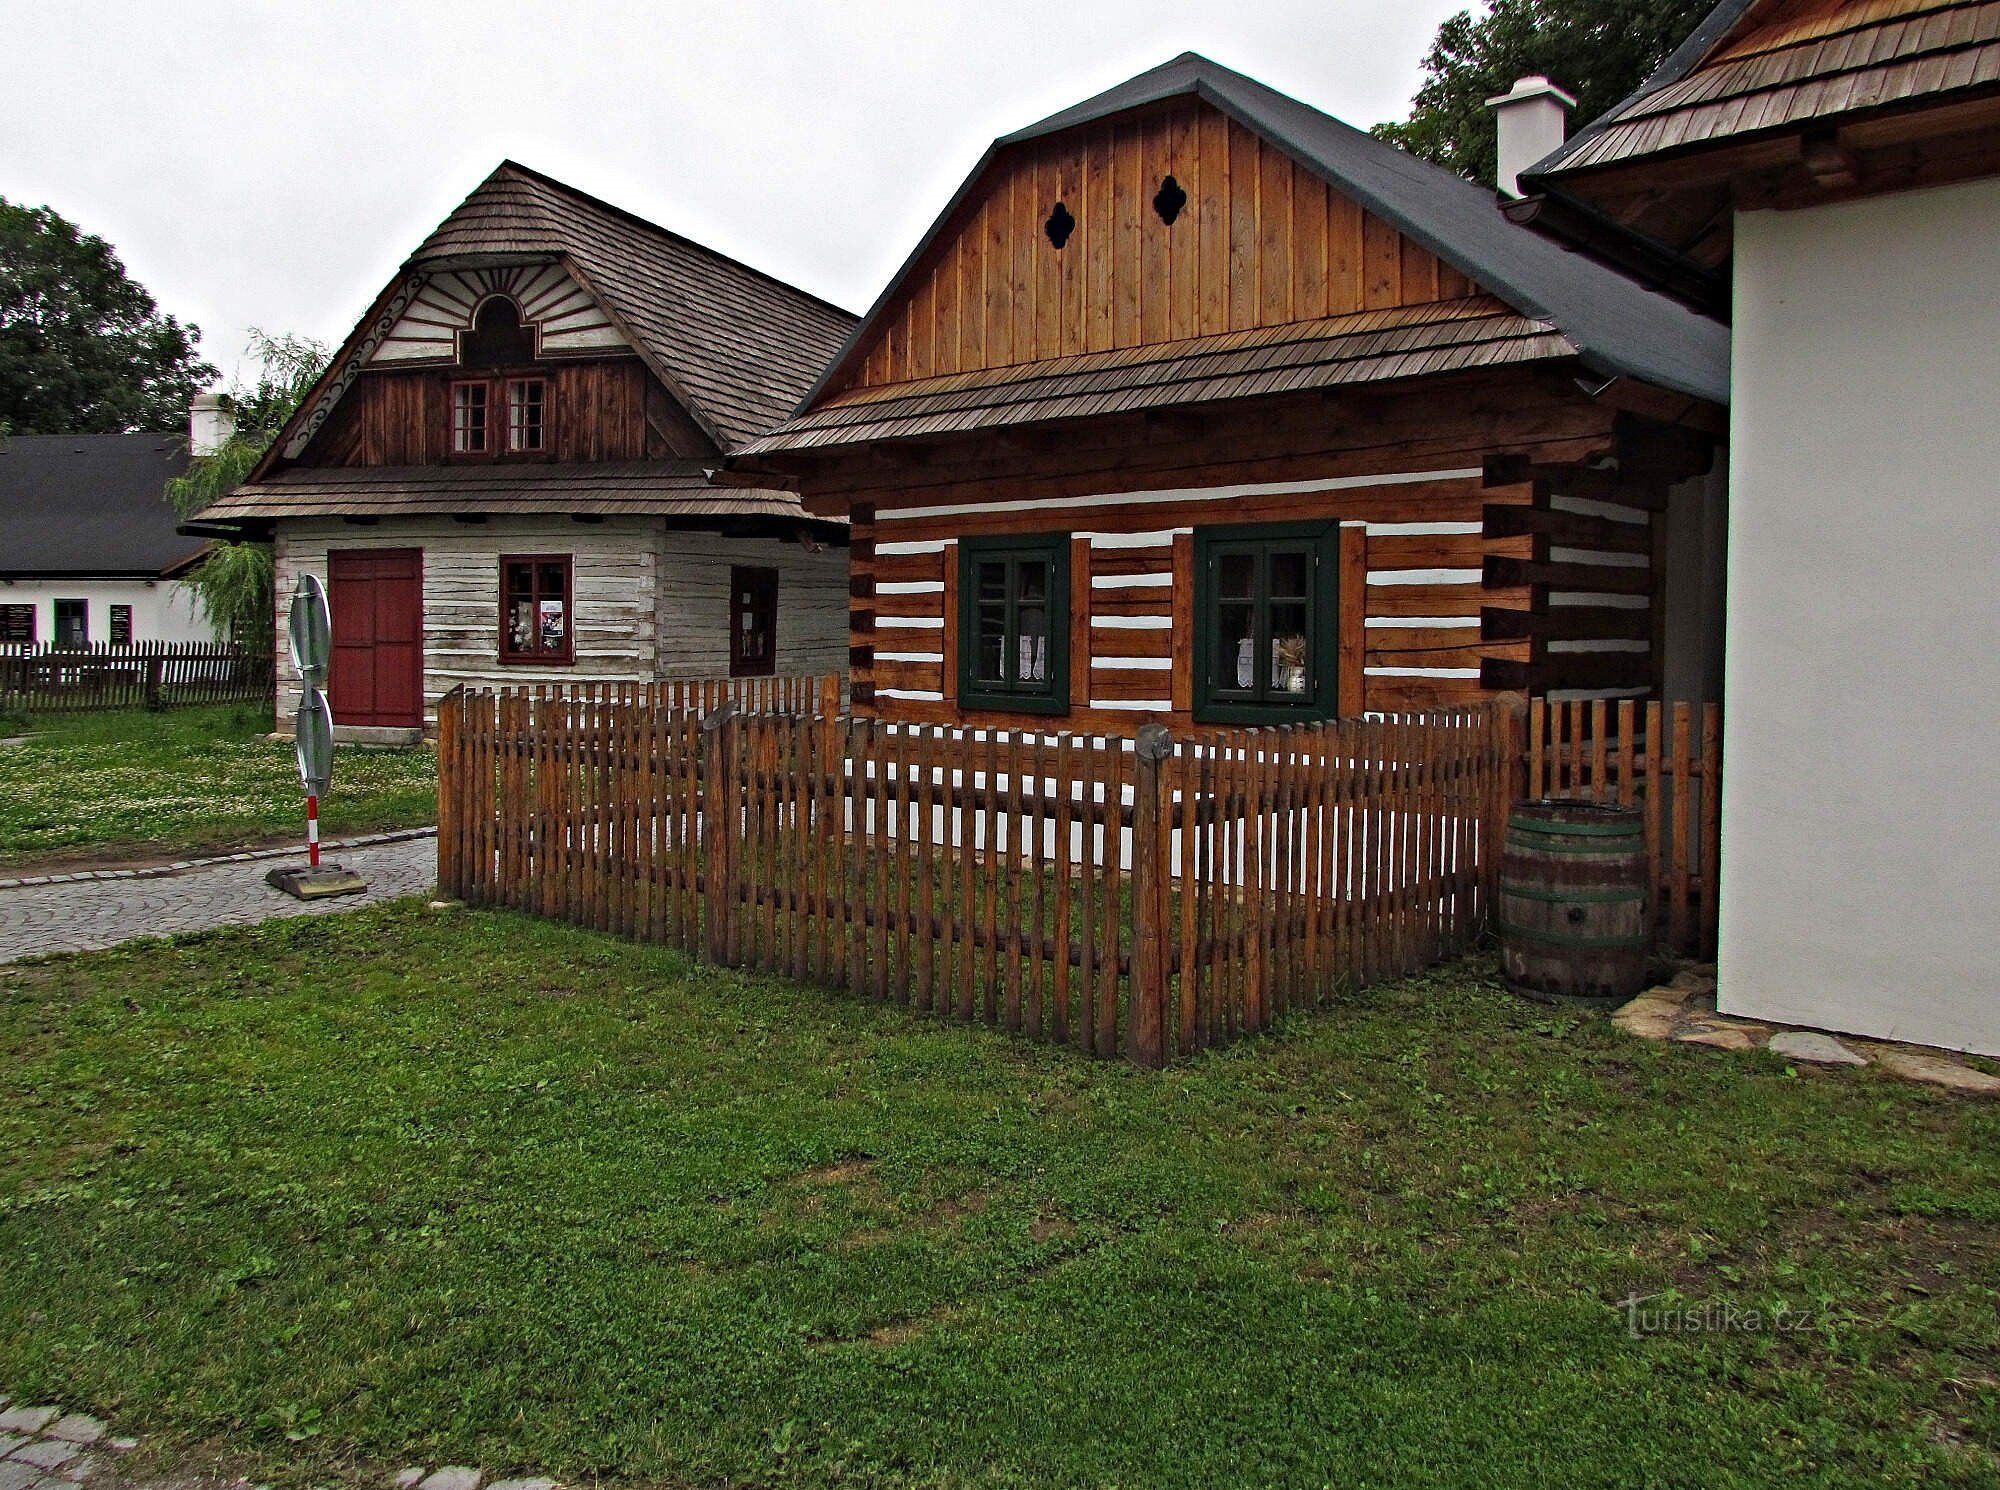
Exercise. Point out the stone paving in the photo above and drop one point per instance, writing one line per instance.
(82, 915)
(44, 1447)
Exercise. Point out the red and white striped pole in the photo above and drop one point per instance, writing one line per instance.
(312, 831)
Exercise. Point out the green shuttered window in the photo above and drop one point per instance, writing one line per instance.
(1266, 623)
(1013, 623)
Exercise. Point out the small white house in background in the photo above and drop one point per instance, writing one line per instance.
(88, 547)
(1834, 169)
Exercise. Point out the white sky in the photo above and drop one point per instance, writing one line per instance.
(269, 163)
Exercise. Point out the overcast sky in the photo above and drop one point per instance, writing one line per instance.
(269, 163)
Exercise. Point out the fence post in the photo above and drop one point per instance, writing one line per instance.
(153, 698)
(451, 870)
(829, 696)
(1510, 785)
(1152, 935)
(718, 819)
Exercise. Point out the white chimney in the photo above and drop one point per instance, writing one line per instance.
(211, 422)
(1534, 121)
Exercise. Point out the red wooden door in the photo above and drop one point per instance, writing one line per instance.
(377, 599)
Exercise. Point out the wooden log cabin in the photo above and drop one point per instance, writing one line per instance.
(503, 475)
(1196, 404)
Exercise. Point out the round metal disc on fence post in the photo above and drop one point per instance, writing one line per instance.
(311, 632)
(315, 742)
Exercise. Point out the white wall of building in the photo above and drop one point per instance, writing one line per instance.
(162, 610)
(1861, 795)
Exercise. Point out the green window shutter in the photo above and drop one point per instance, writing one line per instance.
(1013, 623)
(1267, 623)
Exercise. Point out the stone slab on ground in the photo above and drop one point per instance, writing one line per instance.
(27, 1419)
(1652, 1015)
(1718, 1036)
(49, 1453)
(18, 1476)
(77, 1427)
(1935, 1070)
(1815, 1048)
(452, 1477)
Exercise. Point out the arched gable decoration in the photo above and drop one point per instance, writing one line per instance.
(442, 323)
(497, 338)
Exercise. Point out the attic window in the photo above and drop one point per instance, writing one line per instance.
(1060, 225)
(497, 337)
(1169, 200)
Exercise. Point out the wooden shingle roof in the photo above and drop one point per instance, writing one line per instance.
(738, 346)
(1760, 67)
(641, 488)
(1370, 346)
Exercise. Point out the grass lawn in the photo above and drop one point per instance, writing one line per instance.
(403, 1186)
(96, 785)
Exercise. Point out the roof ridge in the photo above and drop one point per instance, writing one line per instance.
(624, 214)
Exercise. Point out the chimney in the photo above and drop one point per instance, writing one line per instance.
(1533, 120)
(211, 422)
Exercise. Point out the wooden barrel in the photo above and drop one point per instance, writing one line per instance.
(1572, 910)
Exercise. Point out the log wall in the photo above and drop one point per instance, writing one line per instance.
(649, 603)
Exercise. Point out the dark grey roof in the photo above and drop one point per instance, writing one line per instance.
(90, 505)
(1617, 324)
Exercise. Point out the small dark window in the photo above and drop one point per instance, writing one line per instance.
(121, 625)
(536, 619)
(72, 623)
(753, 622)
(1169, 200)
(468, 419)
(1060, 225)
(527, 409)
(1013, 623)
(497, 337)
(1266, 622)
(17, 623)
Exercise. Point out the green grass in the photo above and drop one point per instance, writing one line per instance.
(403, 1186)
(186, 779)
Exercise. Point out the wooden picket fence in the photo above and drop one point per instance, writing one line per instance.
(47, 678)
(1144, 897)
(1664, 758)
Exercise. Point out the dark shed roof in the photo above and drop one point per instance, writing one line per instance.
(90, 505)
(1610, 320)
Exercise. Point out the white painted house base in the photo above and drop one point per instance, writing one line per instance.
(1861, 795)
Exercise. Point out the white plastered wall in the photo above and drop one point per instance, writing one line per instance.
(164, 610)
(1861, 783)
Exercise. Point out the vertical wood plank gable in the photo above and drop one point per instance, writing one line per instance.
(1261, 241)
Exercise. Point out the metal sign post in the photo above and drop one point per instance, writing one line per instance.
(311, 629)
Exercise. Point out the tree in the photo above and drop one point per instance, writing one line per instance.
(1599, 50)
(234, 584)
(83, 349)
